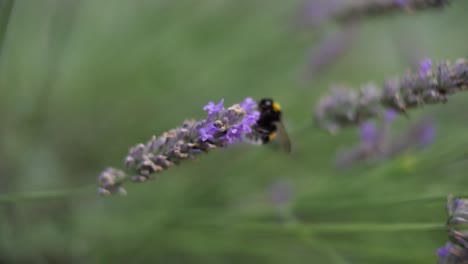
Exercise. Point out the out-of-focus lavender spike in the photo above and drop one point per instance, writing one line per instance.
(456, 250)
(360, 9)
(377, 143)
(221, 128)
(346, 107)
(331, 48)
(317, 12)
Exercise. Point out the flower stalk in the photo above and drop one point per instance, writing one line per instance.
(222, 127)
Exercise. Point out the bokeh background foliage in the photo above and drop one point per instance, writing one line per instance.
(82, 81)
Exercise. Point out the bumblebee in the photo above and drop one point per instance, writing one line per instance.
(269, 125)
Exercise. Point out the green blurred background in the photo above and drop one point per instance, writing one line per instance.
(82, 81)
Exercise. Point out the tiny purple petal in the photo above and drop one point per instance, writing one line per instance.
(214, 109)
(209, 106)
(234, 134)
(249, 105)
(444, 251)
(457, 202)
(207, 132)
(424, 67)
(368, 133)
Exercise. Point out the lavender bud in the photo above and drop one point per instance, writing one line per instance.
(110, 180)
(458, 211)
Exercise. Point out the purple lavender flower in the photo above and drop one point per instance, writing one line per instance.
(249, 105)
(425, 67)
(207, 132)
(213, 109)
(230, 124)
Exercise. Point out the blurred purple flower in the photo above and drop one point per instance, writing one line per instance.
(424, 67)
(369, 133)
(213, 109)
(427, 135)
(444, 251)
(316, 12)
(401, 3)
(390, 115)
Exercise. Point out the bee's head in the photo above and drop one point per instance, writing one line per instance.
(268, 104)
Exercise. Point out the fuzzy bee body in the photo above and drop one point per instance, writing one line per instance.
(269, 125)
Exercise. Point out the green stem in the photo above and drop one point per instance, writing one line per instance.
(51, 194)
(344, 227)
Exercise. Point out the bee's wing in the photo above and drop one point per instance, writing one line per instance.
(283, 137)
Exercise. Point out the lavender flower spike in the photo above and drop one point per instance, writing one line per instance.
(221, 128)
(345, 107)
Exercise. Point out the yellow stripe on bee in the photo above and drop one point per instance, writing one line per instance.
(276, 107)
(272, 136)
